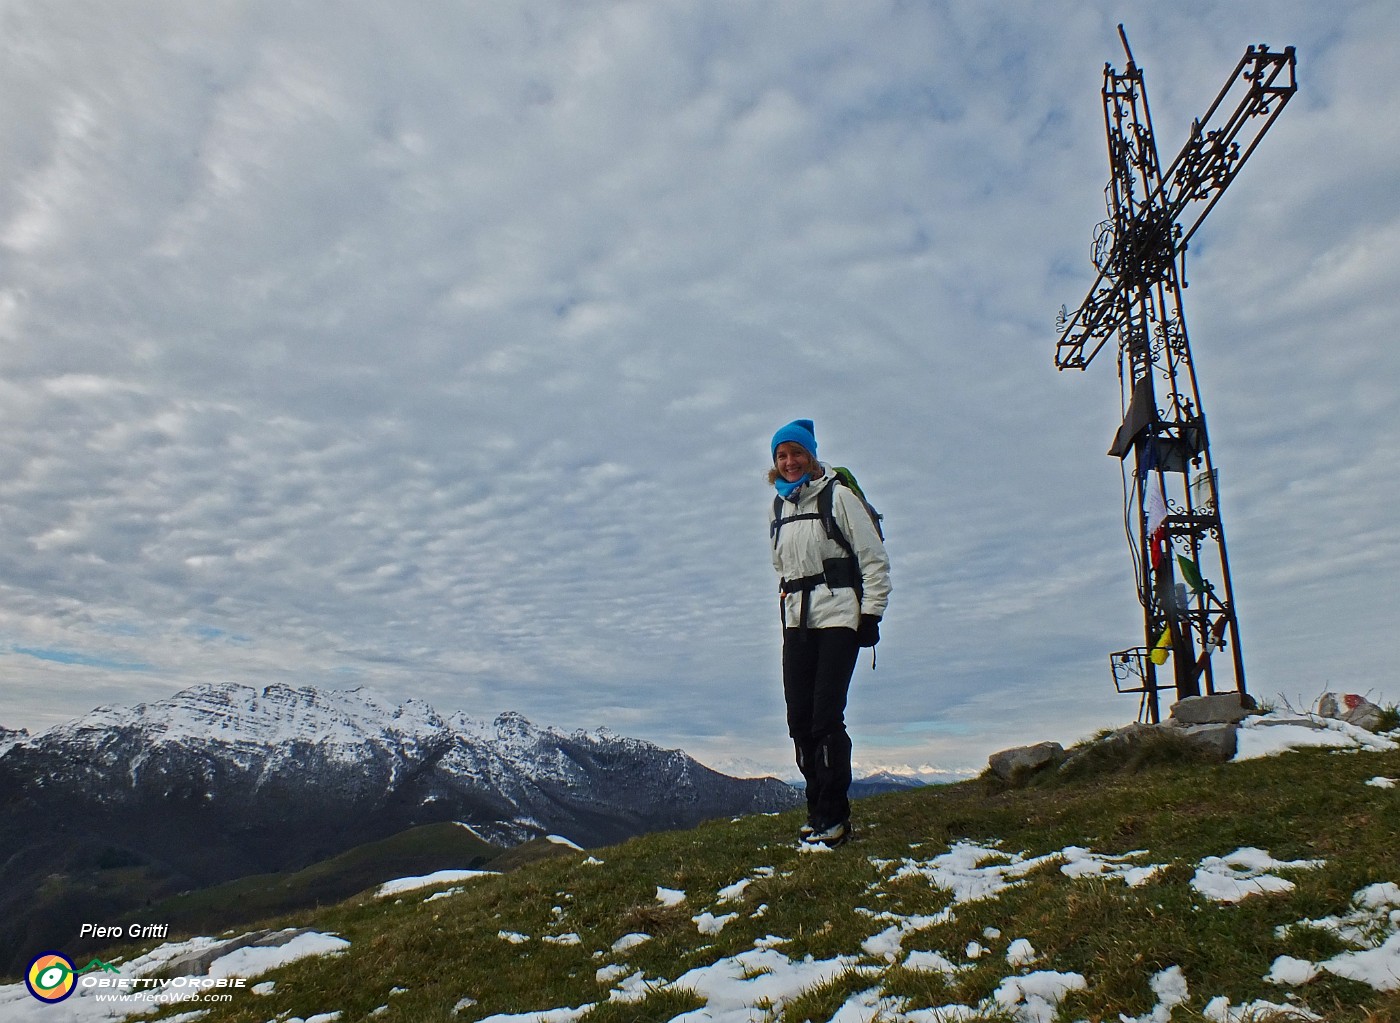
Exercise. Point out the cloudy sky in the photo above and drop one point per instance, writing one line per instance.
(435, 347)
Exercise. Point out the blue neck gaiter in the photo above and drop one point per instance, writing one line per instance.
(787, 489)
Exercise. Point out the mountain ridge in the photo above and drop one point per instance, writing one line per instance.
(1137, 887)
(223, 780)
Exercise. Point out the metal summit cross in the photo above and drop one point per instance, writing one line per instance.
(1183, 572)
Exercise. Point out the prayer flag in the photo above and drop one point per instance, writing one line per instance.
(1157, 545)
(1163, 647)
(1191, 574)
(1154, 507)
(1155, 503)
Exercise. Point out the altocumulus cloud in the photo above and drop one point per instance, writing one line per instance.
(436, 349)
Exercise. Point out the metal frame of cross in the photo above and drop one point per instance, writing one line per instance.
(1183, 570)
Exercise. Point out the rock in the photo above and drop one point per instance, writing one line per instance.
(1290, 722)
(196, 964)
(1220, 740)
(1365, 715)
(1219, 709)
(1351, 708)
(1217, 740)
(1023, 759)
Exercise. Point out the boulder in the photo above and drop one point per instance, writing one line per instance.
(1218, 741)
(1366, 715)
(1290, 722)
(1353, 709)
(1218, 709)
(1221, 740)
(197, 963)
(1329, 705)
(1024, 759)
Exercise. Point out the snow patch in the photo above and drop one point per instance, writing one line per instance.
(627, 941)
(708, 923)
(1035, 998)
(1243, 873)
(408, 884)
(1220, 1010)
(669, 896)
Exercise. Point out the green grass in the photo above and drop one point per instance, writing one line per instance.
(420, 959)
(261, 896)
(1390, 718)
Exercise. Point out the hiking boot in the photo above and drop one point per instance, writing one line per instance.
(807, 830)
(831, 836)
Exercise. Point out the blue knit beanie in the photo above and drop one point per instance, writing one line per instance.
(799, 431)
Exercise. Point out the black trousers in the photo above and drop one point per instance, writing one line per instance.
(817, 669)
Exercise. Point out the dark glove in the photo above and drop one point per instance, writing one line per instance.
(868, 632)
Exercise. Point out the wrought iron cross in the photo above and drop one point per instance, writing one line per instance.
(1183, 572)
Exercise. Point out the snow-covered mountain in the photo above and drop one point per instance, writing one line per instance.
(220, 781)
(239, 748)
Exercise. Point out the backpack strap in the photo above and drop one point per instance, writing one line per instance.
(826, 512)
(842, 573)
(779, 520)
(826, 499)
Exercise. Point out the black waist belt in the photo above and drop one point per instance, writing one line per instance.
(804, 585)
(837, 573)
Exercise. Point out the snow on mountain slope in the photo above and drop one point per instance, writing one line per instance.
(238, 746)
(221, 781)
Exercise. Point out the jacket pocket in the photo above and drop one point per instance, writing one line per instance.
(841, 573)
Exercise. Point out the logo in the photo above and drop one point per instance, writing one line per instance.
(51, 976)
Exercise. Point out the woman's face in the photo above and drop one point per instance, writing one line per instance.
(792, 461)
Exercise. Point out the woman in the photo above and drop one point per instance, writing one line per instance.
(834, 585)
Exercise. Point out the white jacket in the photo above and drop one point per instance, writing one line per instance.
(803, 546)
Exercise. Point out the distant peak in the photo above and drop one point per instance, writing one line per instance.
(513, 722)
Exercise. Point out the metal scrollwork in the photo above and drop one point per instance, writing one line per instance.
(1152, 214)
(1104, 248)
(1173, 336)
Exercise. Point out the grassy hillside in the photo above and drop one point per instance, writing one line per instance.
(262, 896)
(857, 933)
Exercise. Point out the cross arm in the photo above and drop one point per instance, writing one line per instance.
(1220, 142)
(1092, 324)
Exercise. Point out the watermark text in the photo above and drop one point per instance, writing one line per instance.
(131, 932)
